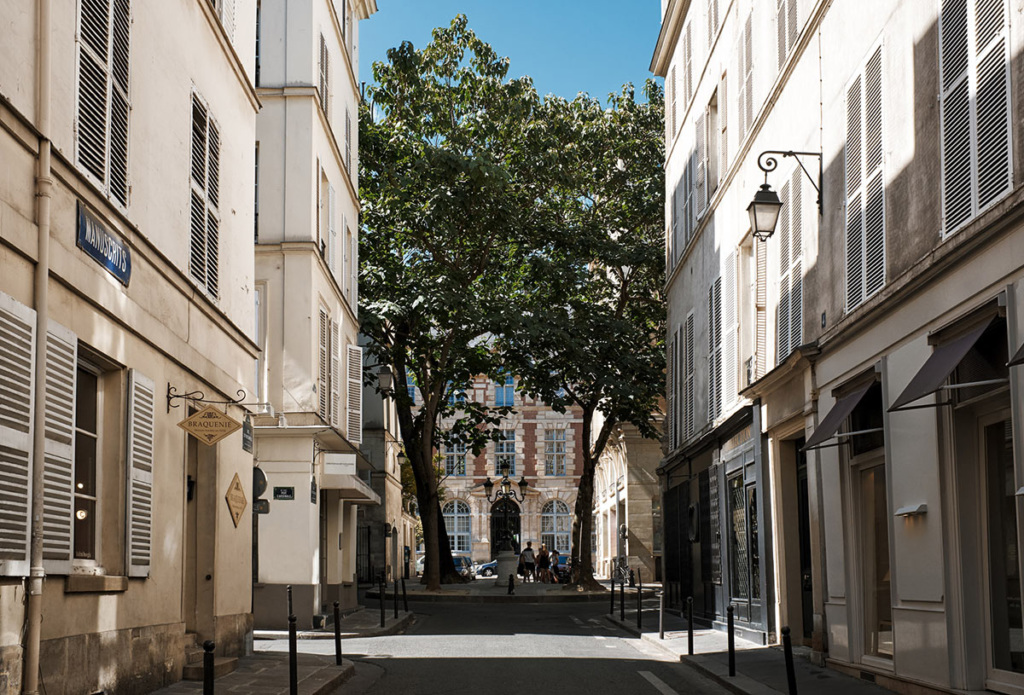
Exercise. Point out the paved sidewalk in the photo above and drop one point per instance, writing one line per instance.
(760, 670)
(266, 673)
(489, 590)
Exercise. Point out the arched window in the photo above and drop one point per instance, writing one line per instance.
(555, 525)
(457, 521)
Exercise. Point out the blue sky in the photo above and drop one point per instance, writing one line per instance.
(566, 46)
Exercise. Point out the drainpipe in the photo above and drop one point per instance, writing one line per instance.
(34, 613)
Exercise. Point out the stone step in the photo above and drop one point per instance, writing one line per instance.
(222, 665)
(193, 655)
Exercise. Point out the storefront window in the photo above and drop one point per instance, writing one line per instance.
(1007, 627)
(874, 528)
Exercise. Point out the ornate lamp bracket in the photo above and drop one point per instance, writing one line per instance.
(766, 162)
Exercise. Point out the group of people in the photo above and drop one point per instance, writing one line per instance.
(540, 566)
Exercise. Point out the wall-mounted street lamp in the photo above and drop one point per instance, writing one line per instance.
(506, 493)
(385, 379)
(764, 209)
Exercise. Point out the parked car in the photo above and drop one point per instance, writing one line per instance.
(419, 565)
(487, 569)
(463, 565)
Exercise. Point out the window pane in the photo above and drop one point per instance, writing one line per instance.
(85, 528)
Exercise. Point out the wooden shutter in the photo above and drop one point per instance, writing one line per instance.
(796, 317)
(975, 107)
(353, 299)
(332, 231)
(670, 392)
(748, 77)
(348, 143)
(226, 10)
(712, 22)
(723, 122)
(688, 387)
(59, 459)
(119, 103)
(141, 450)
(702, 164)
(671, 88)
(323, 362)
(335, 351)
(760, 310)
(729, 330)
(355, 394)
(324, 76)
(687, 67)
(782, 317)
(715, 350)
(786, 29)
(854, 195)
(17, 397)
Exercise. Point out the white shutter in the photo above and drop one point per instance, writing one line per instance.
(323, 363)
(348, 144)
(702, 164)
(723, 121)
(995, 173)
(141, 450)
(712, 21)
(785, 26)
(332, 231)
(670, 393)
(729, 330)
(226, 10)
(747, 42)
(670, 117)
(854, 199)
(59, 460)
(324, 76)
(353, 298)
(354, 408)
(688, 385)
(796, 295)
(17, 396)
(782, 317)
(335, 351)
(760, 310)
(687, 67)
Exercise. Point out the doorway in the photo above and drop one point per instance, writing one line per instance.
(200, 509)
(505, 524)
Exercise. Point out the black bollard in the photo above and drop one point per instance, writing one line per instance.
(732, 643)
(611, 609)
(622, 601)
(632, 579)
(787, 648)
(661, 614)
(511, 585)
(405, 597)
(337, 634)
(396, 599)
(293, 648)
(639, 600)
(689, 620)
(208, 658)
(382, 594)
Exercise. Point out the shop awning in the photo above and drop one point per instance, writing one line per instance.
(937, 368)
(1018, 358)
(831, 423)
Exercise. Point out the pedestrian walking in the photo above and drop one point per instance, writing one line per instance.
(554, 565)
(527, 556)
(543, 564)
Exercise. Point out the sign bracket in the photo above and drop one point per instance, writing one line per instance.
(199, 397)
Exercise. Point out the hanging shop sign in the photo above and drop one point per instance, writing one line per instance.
(235, 497)
(247, 435)
(210, 425)
(105, 247)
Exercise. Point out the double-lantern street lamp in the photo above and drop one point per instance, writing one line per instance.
(506, 494)
(764, 209)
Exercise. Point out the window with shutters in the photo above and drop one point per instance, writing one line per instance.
(723, 125)
(103, 109)
(707, 131)
(671, 89)
(348, 143)
(865, 184)
(715, 350)
(974, 101)
(226, 13)
(688, 376)
(785, 28)
(354, 391)
(554, 452)
(789, 323)
(325, 77)
(205, 195)
(745, 63)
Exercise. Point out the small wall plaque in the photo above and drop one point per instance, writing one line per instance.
(284, 493)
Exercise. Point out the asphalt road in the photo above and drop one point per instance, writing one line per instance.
(509, 649)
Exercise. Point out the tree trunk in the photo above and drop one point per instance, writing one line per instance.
(583, 521)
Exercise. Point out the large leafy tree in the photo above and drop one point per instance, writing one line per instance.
(590, 331)
(449, 190)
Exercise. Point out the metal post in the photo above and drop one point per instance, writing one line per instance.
(405, 597)
(381, 593)
(208, 662)
(337, 634)
(639, 600)
(611, 609)
(293, 649)
(622, 601)
(511, 585)
(689, 620)
(787, 648)
(732, 642)
(661, 615)
(396, 599)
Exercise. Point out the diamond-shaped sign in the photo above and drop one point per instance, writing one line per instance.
(209, 425)
(235, 498)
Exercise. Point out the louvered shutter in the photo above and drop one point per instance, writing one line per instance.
(712, 21)
(353, 299)
(141, 450)
(335, 350)
(672, 88)
(782, 320)
(715, 345)
(59, 461)
(688, 386)
(332, 231)
(348, 143)
(678, 387)
(687, 67)
(760, 310)
(729, 331)
(702, 164)
(747, 117)
(723, 120)
(786, 28)
(324, 76)
(975, 107)
(796, 295)
(17, 396)
(670, 393)
(119, 104)
(323, 362)
(854, 198)
(226, 10)
(355, 394)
